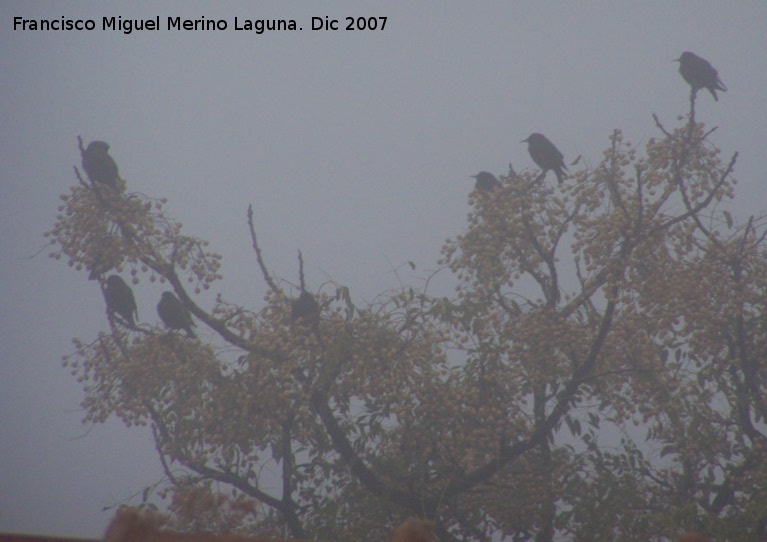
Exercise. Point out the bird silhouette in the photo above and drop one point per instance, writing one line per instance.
(485, 181)
(174, 314)
(307, 309)
(100, 167)
(699, 73)
(545, 155)
(120, 300)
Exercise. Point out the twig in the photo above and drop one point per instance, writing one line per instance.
(261, 264)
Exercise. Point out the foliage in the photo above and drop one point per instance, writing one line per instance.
(599, 373)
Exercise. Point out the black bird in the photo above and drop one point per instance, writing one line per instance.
(485, 181)
(307, 309)
(174, 314)
(99, 166)
(546, 155)
(699, 73)
(120, 300)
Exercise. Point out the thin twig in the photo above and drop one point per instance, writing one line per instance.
(267, 276)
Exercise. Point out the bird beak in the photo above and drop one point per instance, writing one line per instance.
(525, 140)
(677, 59)
(473, 176)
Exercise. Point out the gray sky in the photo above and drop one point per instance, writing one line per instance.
(354, 147)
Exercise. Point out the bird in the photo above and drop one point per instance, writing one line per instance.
(485, 181)
(120, 300)
(100, 167)
(699, 73)
(174, 314)
(307, 309)
(546, 155)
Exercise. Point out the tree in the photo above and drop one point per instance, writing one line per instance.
(598, 375)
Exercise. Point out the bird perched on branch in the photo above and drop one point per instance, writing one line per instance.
(545, 155)
(485, 181)
(174, 314)
(699, 73)
(100, 167)
(305, 307)
(120, 300)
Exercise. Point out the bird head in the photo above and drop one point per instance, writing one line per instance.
(100, 146)
(532, 138)
(114, 280)
(684, 56)
(483, 175)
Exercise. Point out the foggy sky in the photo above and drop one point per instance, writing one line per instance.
(355, 147)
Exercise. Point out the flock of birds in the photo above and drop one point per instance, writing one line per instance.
(120, 300)
(102, 169)
(698, 73)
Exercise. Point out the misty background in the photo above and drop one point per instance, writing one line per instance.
(354, 147)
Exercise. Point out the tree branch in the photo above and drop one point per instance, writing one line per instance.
(259, 258)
